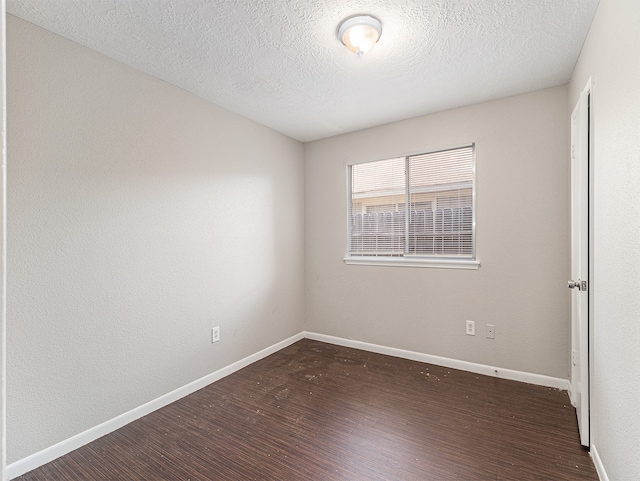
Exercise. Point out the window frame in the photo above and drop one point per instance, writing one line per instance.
(415, 260)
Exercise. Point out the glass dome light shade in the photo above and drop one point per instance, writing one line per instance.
(359, 34)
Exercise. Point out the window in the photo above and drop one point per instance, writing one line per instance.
(418, 208)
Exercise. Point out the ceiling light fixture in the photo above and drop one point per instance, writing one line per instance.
(360, 33)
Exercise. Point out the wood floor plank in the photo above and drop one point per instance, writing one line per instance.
(316, 411)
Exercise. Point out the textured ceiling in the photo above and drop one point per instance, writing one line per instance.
(279, 62)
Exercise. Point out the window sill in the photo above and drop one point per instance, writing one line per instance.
(413, 262)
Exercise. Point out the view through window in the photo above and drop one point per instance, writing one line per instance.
(419, 205)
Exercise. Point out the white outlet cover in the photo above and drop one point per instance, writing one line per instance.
(471, 328)
(491, 331)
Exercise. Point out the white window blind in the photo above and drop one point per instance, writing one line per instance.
(415, 206)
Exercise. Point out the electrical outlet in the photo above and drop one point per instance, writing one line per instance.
(491, 331)
(471, 328)
(215, 334)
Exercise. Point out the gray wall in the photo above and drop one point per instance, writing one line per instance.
(140, 216)
(611, 57)
(522, 241)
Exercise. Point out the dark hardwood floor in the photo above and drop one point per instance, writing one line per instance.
(315, 411)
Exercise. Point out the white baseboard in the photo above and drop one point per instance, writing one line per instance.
(530, 378)
(602, 474)
(572, 394)
(49, 454)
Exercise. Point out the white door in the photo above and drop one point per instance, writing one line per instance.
(579, 282)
